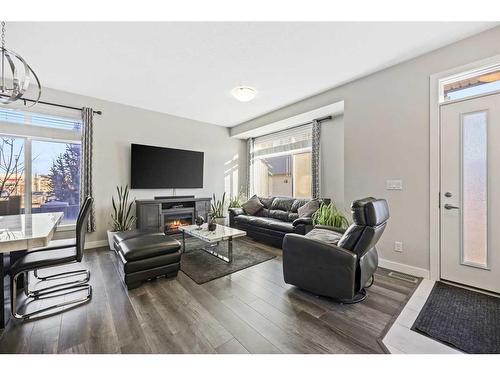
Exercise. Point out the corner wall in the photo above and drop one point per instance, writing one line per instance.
(386, 119)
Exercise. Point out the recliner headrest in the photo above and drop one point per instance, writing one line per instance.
(370, 211)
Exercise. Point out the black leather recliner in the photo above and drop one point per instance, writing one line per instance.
(339, 265)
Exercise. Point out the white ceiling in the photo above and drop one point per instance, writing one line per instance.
(189, 69)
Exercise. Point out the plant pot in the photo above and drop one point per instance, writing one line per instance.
(220, 220)
(110, 240)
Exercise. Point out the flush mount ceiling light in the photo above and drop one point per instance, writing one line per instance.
(15, 76)
(244, 93)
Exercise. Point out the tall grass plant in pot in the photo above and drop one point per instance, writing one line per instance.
(218, 209)
(330, 215)
(121, 216)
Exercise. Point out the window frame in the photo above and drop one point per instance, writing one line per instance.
(29, 133)
(301, 129)
(462, 76)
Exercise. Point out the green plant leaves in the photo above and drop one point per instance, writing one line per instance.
(218, 207)
(330, 215)
(121, 216)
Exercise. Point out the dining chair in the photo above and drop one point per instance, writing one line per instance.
(46, 258)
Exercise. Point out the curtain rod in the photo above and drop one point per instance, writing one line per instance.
(316, 119)
(55, 105)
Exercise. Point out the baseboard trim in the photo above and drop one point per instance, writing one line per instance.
(404, 268)
(94, 244)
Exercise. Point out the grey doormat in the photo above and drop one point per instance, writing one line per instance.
(461, 318)
(202, 267)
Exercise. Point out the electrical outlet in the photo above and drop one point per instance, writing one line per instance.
(398, 247)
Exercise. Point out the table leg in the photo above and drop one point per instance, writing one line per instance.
(183, 241)
(211, 246)
(2, 298)
(15, 256)
(230, 249)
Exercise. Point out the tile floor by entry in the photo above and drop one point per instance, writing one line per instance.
(400, 339)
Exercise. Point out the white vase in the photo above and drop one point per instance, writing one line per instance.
(220, 220)
(110, 240)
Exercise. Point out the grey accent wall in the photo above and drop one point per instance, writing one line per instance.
(121, 125)
(386, 120)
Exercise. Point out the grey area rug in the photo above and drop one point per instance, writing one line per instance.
(461, 318)
(202, 267)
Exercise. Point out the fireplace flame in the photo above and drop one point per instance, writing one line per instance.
(175, 224)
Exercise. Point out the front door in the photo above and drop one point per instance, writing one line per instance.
(470, 192)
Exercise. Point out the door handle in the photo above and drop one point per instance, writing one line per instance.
(451, 207)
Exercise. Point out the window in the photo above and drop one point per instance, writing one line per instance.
(469, 84)
(281, 164)
(475, 189)
(39, 163)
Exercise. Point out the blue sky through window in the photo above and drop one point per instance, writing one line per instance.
(476, 90)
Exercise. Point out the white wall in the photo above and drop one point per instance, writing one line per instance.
(121, 125)
(386, 119)
(332, 160)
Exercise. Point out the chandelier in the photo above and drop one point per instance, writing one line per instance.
(15, 77)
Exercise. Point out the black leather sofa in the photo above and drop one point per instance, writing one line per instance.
(339, 265)
(278, 217)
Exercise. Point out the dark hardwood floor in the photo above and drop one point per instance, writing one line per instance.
(250, 311)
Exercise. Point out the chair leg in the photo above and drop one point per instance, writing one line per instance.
(57, 287)
(53, 292)
(26, 284)
(61, 275)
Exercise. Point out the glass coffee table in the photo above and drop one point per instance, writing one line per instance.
(213, 239)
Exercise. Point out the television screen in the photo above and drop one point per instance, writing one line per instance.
(157, 167)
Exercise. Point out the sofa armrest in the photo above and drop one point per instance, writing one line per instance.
(333, 229)
(236, 211)
(320, 267)
(303, 220)
(233, 212)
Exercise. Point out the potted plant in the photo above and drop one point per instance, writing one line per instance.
(330, 215)
(236, 201)
(217, 209)
(122, 214)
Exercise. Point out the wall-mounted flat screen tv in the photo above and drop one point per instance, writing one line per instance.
(158, 167)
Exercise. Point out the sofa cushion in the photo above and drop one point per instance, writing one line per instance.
(282, 204)
(252, 206)
(144, 247)
(246, 219)
(308, 209)
(262, 213)
(292, 216)
(324, 235)
(274, 224)
(297, 203)
(267, 202)
(278, 214)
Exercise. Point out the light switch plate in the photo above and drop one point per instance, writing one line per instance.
(394, 185)
(398, 247)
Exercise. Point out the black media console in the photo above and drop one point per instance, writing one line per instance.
(168, 213)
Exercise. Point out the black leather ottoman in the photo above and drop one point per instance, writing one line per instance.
(145, 256)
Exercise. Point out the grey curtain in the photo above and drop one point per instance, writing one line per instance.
(86, 162)
(250, 144)
(316, 140)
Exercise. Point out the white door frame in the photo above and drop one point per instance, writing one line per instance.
(434, 150)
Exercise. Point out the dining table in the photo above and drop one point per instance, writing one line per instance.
(21, 233)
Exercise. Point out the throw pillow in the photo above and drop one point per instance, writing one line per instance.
(252, 206)
(309, 208)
